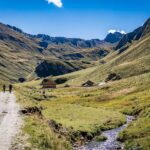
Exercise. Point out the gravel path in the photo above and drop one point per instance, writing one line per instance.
(10, 120)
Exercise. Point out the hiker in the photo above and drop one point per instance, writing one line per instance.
(10, 88)
(4, 88)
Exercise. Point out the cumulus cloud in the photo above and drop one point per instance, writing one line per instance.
(58, 3)
(123, 32)
(114, 30)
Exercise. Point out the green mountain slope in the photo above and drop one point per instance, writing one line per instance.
(18, 54)
(21, 53)
(134, 61)
(135, 35)
(93, 109)
(80, 113)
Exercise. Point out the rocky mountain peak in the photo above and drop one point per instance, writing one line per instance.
(114, 37)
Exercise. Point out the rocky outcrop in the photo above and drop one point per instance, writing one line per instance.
(88, 84)
(48, 68)
(135, 35)
(114, 37)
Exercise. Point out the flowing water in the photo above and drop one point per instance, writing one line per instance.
(111, 143)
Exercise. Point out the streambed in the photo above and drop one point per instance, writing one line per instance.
(111, 143)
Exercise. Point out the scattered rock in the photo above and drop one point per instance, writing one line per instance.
(113, 77)
(88, 84)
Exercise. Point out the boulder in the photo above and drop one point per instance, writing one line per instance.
(88, 84)
(113, 77)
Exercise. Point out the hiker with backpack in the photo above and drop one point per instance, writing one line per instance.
(4, 88)
(10, 88)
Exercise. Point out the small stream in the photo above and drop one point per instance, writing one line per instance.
(111, 143)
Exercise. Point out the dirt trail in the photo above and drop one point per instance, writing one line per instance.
(10, 120)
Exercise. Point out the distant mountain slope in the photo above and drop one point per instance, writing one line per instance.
(76, 42)
(114, 37)
(20, 52)
(16, 38)
(45, 40)
(132, 62)
(135, 35)
(72, 48)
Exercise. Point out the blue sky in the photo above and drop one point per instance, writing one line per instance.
(74, 18)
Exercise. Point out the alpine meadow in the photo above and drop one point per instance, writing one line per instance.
(64, 93)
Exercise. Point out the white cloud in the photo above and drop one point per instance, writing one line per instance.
(123, 32)
(58, 3)
(114, 30)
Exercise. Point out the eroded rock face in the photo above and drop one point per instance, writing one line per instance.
(47, 68)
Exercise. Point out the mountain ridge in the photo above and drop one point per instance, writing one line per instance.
(22, 52)
(114, 37)
(135, 35)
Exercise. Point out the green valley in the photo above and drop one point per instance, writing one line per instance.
(75, 113)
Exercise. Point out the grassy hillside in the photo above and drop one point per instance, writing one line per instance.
(86, 112)
(63, 117)
(134, 61)
(20, 53)
(92, 110)
(135, 35)
(14, 64)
